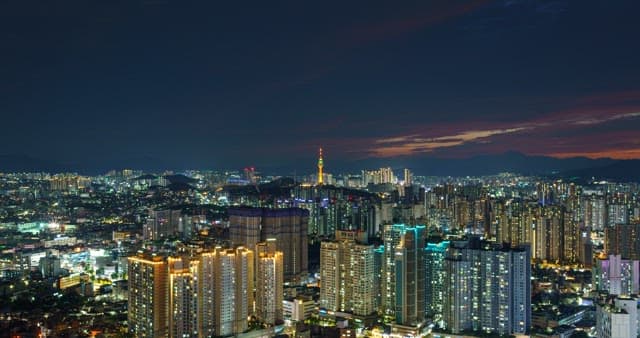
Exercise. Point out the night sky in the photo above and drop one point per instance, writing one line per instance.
(234, 83)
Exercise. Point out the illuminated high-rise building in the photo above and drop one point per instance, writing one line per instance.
(571, 239)
(320, 168)
(623, 240)
(330, 275)
(410, 277)
(348, 276)
(550, 235)
(378, 258)
(269, 282)
(594, 208)
(385, 175)
(288, 226)
(616, 276)
(457, 304)
(617, 317)
(487, 288)
(183, 297)
(392, 234)
(515, 221)
(148, 296)
(461, 213)
(408, 177)
(225, 291)
(403, 280)
(435, 277)
(332, 208)
(162, 224)
(361, 280)
(68, 182)
(617, 214)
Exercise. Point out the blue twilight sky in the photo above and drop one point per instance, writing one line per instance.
(236, 83)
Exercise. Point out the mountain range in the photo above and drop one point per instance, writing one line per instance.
(575, 168)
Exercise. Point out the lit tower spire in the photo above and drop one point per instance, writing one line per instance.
(320, 166)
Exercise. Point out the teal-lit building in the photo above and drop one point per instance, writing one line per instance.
(404, 276)
(434, 278)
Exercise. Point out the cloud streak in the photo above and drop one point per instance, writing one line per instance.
(408, 145)
(564, 133)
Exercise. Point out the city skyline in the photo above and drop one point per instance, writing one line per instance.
(415, 169)
(377, 253)
(224, 85)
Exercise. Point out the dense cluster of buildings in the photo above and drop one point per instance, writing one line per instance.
(377, 254)
(463, 285)
(206, 293)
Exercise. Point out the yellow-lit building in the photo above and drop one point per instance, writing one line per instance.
(183, 297)
(148, 301)
(347, 277)
(269, 282)
(225, 291)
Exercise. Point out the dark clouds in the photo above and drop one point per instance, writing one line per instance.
(221, 84)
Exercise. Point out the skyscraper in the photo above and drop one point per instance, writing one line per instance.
(226, 284)
(361, 279)
(392, 234)
(198, 295)
(594, 209)
(617, 214)
(403, 280)
(515, 221)
(347, 275)
(288, 226)
(435, 277)
(487, 288)
(457, 305)
(550, 234)
(269, 282)
(617, 317)
(616, 276)
(623, 240)
(410, 277)
(330, 258)
(162, 224)
(183, 297)
(378, 258)
(408, 177)
(148, 299)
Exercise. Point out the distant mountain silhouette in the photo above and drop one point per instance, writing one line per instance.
(180, 179)
(622, 171)
(146, 177)
(482, 164)
(179, 186)
(282, 182)
(581, 167)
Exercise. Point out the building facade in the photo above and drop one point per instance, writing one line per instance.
(148, 299)
(488, 288)
(269, 282)
(347, 276)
